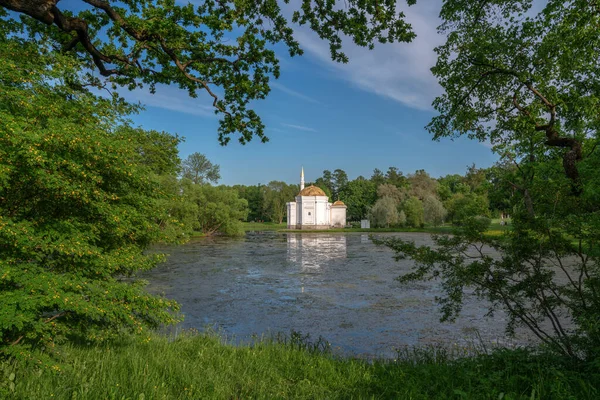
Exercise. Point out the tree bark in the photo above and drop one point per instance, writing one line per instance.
(42, 10)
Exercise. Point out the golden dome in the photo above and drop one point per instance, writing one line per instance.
(312, 191)
(338, 203)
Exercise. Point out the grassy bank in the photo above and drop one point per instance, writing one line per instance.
(264, 226)
(495, 228)
(202, 367)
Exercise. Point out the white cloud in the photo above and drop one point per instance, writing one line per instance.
(172, 98)
(285, 89)
(276, 130)
(300, 127)
(400, 71)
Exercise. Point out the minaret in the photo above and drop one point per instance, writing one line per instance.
(302, 179)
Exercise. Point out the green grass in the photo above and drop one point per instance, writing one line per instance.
(203, 367)
(495, 228)
(264, 226)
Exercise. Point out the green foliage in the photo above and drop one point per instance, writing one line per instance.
(205, 48)
(256, 198)
(384, 213)
(434, 212)
(451, 184)
(463, 206)
(521, 81)
(391, 191)
(358, 195)
(325, 182)
(525, 81)
(220, 210)
(415, 213)
(377, 178)
(198, 169)
(276, 196)
(333, 184)
(422, 185)
(78, 205)
(340, 180)
(181, 217)
(395, 177)
(402, 218)
(157, 150)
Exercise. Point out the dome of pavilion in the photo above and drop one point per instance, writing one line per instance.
(338, 203)
(312, 191)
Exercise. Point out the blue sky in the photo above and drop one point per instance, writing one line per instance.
(369, 113)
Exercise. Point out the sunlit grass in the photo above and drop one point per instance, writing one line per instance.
(263, 226)
(203, 367)
(495, 228)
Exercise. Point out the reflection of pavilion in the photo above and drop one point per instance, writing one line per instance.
(311, 251)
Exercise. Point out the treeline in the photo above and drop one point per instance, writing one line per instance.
(391, 199)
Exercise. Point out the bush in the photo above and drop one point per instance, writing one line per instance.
(78, 207)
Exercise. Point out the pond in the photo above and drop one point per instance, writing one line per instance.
(337, 286)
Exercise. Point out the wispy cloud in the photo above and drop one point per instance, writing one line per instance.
(294, 93)
(171, 98)
(300, 127)
(399, 71)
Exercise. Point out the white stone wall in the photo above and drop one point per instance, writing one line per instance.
(312, 211)
(291, 214)
(338, 216)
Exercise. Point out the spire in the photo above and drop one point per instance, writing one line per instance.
(302, 179)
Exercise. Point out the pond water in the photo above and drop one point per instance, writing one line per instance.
(338, 286)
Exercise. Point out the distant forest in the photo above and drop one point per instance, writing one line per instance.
(390, 199)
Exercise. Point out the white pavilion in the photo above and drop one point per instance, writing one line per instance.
(312, 209)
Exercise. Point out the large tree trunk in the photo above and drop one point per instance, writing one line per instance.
(42, 10)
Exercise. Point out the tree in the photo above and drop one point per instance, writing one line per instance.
(181, 216)
(434, 212)
(384, 213)
(536, 80)
(461, 207)
(476, 179)
(277, 195)
(499, 189)
(157, 150)
(257, 202)
(422, 185)
(78, 206)
(220, 210)
(359, 196)
(413, 208)
(527, 83)
(340, 180)
(198, 169)
(325, 182)
(449, 185)
(395, 177)
(388, 190)
(148, 43)
(377, 178)
(402, 218)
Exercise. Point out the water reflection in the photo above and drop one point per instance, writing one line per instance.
(311, 252)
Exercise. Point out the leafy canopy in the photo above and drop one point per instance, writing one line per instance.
(518, 79)
(78, 205)
(199, 169)
(223, 49)
(527, 82)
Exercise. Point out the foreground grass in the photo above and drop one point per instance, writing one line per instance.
(202, 367)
